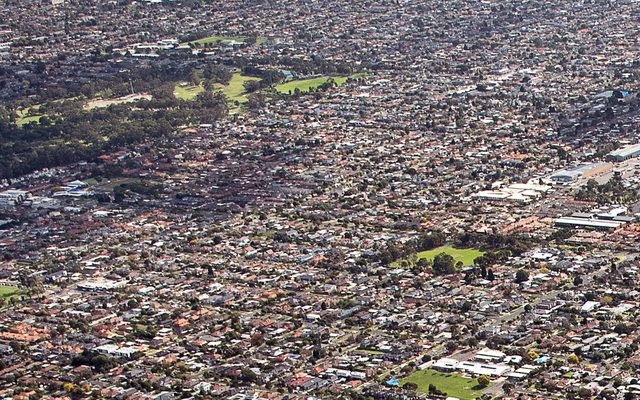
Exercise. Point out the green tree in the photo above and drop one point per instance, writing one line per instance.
(483, 381)
(522, 276)
(444, 264)
(573, 359)
(410, 386)
(490, 275)
(194, 79)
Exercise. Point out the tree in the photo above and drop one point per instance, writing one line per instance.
(443, 264)
(208, 85)
(68, 386)
(490, 275)
(248, 375)
(218, 73)
(508, 387)
(584, 393)
(251, 86)
(194, 79)
(410, 386)
(483, 381)
(433, 390)
(255, 101)
(573, 359)
(577, 280)
(522, 276)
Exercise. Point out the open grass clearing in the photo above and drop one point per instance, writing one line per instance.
(466, 256)
(101, 103)
(226, 40)
(27, 115)
(454, 385)
(304, 85)
(7, 292)
(371, 352)
(185, 91)
(234, 91)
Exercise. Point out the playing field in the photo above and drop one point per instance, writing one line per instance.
(7, 292)
(227, 39)
(102, 103)
(187, 92)
(453, 385)
(25, 118)
(304, 85)
(466, 256)
(234, 91)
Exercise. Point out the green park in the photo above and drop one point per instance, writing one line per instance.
(305, 85)
(225, 40)
(454, 385)
(234, 91)
(465, 256)
(7, 292)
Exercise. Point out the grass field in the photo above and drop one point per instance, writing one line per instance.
(466, 256)
(453, 384)
(24, 116)
(304, 85)
(6, 292)
(25, 120)
(371, 352)
(234, 91)
(101, 103)
(227, 39)
(187, 92)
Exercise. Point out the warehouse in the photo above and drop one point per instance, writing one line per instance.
(624, 153)
(581, 171)
(598, 224)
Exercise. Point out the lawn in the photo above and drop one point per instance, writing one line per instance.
(26, 115)
(102, 103)
(304, 85)
(371, 352)
(234, 91)
(184, 91)
(6, 292)
(454, 385)
(227, 39)
(466, 256)
(25, 120)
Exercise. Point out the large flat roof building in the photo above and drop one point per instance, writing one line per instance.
(599, 224)
(625, 153)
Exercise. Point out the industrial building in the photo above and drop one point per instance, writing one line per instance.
(517, 192)
(471, 368)
(605, 221)
(12, 197)
(624, 153)
(581, 171)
